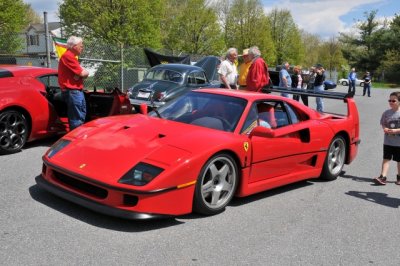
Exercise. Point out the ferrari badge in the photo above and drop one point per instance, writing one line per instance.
(246, 146)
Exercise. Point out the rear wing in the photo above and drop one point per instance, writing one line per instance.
(324, 94)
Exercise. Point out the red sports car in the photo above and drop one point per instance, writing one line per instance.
(31, 106)
(197, 152)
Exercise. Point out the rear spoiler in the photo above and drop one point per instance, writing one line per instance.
(324, 94)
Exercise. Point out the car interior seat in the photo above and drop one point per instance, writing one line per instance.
(266, 112)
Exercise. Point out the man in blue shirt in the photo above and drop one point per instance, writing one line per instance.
(352, 81)
(285, 81)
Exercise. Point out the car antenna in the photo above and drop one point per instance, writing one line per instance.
(153, 106)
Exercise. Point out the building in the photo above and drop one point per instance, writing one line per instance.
(35, 44)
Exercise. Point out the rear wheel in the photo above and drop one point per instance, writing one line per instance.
(13, 131)
(335, 158)
(215, 185)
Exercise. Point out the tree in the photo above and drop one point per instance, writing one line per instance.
(12, 21)
(331, 55)
(248, 26)
(311, 44)
(191, 26)
(366, 49)
(127, 22)
(390, 64)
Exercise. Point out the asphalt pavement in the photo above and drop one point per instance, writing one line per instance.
(349, 221)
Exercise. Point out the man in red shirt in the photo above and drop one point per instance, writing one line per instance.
(70, 79)
(258, 76)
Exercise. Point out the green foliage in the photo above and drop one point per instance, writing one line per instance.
(12, 21)
(248, 26)
(286, 37)
(131, 22)
(191, 26)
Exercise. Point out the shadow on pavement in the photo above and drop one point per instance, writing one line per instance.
(97, 219)
(376, 197)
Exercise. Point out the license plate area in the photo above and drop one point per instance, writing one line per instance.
(143, 94)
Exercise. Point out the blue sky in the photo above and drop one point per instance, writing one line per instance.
(322, 17)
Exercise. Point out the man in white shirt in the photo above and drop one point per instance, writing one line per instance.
(228, 71)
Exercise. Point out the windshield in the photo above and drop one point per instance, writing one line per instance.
(204, 109)
(164, 74)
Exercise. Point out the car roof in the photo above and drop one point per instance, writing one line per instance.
(178, 67)
(21, 71)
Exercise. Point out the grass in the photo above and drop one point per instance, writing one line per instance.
(385, 85)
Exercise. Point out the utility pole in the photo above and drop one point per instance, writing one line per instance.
(46, 34)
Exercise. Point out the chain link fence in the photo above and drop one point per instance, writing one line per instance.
(109, 66)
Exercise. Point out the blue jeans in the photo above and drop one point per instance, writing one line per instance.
(352, 86)
(367, 89)
(76, 105)
(319, 100)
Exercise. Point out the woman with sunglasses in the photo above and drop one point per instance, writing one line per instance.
(390, 122)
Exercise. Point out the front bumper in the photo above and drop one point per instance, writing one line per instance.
(92, 205)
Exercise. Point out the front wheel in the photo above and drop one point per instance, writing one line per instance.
(13, 131)
(344, 83)
(335, 158)
(215, 185)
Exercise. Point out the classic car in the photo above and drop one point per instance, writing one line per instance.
(197, 152)
(165, 82)
(345, 82)
(31, 106)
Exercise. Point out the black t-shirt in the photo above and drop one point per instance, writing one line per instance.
(319, 79)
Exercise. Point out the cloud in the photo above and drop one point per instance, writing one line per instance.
(40, 6)
(324, 18)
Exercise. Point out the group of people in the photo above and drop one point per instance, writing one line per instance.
(253, 75)
(253, 72)
(352, 78)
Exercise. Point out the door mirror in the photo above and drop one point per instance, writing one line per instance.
(262, 132)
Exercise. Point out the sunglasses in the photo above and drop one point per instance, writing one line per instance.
(392, 101)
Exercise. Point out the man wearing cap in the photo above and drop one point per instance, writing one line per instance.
(258, 76)
(367, 84)
(244, 69)
(319, 86)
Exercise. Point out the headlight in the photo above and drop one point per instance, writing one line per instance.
(141, 174)
(58, 146)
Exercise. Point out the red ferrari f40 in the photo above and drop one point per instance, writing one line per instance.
(199, 151)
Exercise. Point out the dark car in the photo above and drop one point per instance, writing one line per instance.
(165, 82)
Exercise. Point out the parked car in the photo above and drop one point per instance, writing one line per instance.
(329, 85)
(198, 151)
(165, 82)
(31, 106)
(345, 82)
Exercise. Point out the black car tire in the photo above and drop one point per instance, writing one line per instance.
(13, 131)
(362, 84)
(335, 158)
(344, 83)
(216, 184)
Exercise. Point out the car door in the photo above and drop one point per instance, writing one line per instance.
(279, 155)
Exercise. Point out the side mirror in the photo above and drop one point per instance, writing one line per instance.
(143, 108)
(262, 132)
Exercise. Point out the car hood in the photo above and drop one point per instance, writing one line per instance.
(105, 149)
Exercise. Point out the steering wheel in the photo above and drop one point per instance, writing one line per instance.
(227, 125)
